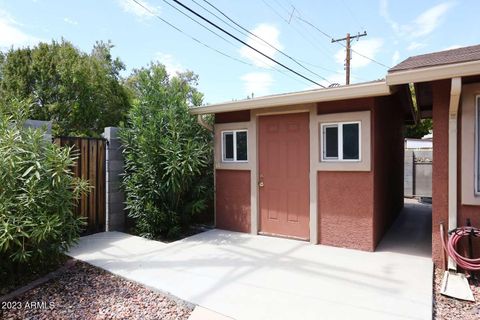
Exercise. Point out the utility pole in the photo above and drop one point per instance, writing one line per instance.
(349, 52)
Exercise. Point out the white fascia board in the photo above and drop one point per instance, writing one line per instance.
(433, 73)
(373, 89)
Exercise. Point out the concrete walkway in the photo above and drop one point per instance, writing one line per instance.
(254, 277)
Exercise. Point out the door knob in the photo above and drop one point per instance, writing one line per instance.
(261, 184)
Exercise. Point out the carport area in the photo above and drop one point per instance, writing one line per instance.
(257, 277)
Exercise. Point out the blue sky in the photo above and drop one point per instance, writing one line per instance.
(396, 30)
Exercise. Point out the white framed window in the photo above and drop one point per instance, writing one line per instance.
(477, 145)
(340, 141)
(234, 146)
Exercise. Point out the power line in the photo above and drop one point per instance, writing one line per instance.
(199, 23)
(226, 40)
(353, 15)
(246, 44)
(314, 44)
(282, 6)
(204, 44)
(349, 52)
(186, 34)
(292, 14)
(339, 43)
(317, 29)
(324, 33)
(241, 30)
(259, 38)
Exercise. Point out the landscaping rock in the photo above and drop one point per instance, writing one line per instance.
(87, 292)
(446, 308)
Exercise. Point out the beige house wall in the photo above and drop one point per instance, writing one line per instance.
(469, 95)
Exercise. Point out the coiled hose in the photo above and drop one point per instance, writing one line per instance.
(451, 244)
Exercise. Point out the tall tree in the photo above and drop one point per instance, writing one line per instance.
(417, 131)
(168, 155)
(81, 93)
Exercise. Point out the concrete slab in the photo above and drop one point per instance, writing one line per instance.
(255, 277)
(200, 313)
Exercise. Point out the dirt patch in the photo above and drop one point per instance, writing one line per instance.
(87, 292)
(445, 308)
(12, 280)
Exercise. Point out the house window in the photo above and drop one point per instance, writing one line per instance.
(234, 146)
(477, 146)
(340, 141)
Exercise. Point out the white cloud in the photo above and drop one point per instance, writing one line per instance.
(137, 10)
(395, 57)
(12, 35)
(270, 34)
(257, 83)
(171, 64)
(422, 25)
(70, 21)
(428, 21)
(386, 15)
(415, 45)
(368, 48)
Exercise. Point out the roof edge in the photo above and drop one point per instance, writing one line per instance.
(362, 90)
(431, 73)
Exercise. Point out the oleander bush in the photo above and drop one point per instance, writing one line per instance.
(37, 198)
(168, 155)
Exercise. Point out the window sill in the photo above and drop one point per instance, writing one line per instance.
(343, 165)
(233, 165)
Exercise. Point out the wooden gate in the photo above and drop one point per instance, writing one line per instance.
(90, 165)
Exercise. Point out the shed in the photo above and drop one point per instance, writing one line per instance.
(326, 165)
(322, 165)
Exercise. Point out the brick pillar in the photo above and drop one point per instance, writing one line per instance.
(115, 198)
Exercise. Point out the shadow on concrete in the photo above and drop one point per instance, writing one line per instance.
(411, 233)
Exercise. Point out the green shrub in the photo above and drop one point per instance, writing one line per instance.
(37, 195)
(168, 155)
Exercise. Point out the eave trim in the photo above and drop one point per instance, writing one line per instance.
(330, 94)
(434, 73)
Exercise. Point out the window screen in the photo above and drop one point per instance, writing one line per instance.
(341, 141)
(331, 142)
(351, 141)
(241, 145)
(234, 146)
(228, 146)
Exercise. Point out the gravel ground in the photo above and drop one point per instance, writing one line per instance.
(87, 292)
(446, 308)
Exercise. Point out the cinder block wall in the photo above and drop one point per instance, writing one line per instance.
(115, 198)
(408, 172)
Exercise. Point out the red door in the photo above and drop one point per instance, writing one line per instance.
(283, 151)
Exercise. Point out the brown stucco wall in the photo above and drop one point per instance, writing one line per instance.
(441, 100)
(388, 162)
(345, 105)
(357, 208)
(345, 199)
(234, 116)
(232, 200)
(345, 208)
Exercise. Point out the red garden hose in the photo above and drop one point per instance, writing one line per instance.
(451, 245)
